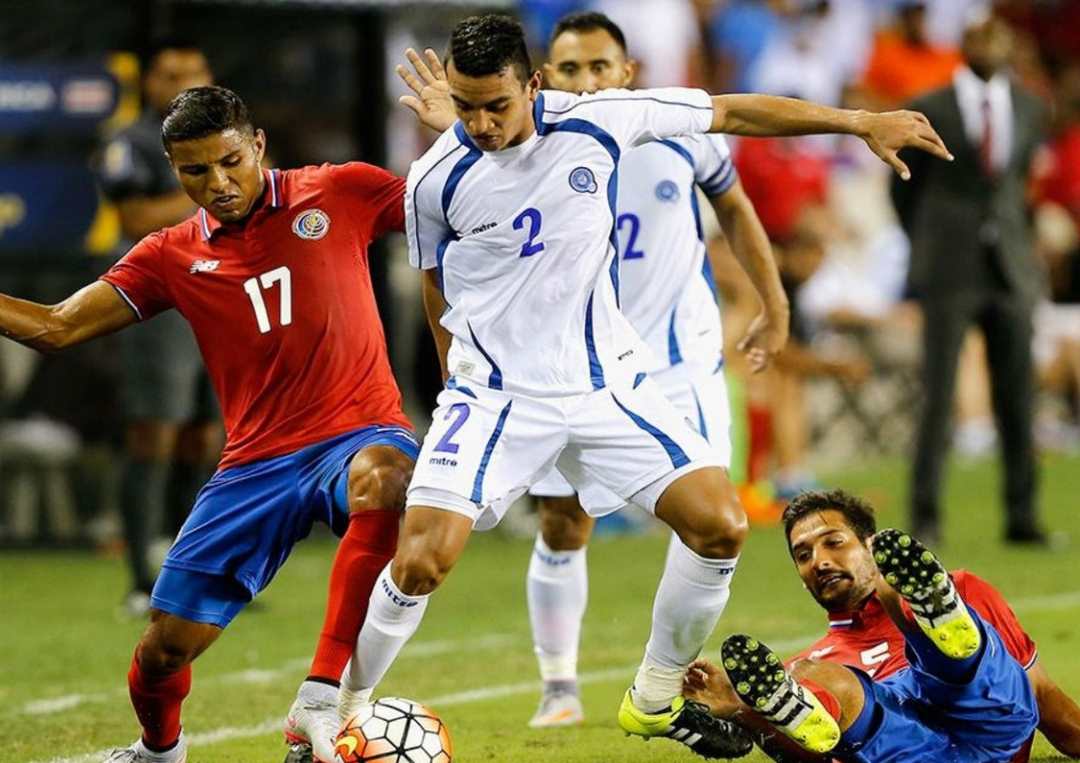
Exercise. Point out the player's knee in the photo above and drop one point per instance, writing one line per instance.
(161, 655)
(419, 572)
(564, 526)
(378, 478)
(720, 529)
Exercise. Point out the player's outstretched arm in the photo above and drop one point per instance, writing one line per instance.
(1059, 715)
(885, 133)
(90, 312)
(430, 100)
(768, 332)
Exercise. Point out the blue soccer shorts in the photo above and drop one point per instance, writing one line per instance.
(915, 716)
(247, 519)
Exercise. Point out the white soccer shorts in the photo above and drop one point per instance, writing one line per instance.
(699, 394)
(617, 445)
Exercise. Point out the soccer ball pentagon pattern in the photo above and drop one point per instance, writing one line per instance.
(395, 730)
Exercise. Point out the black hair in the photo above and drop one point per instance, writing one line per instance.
(148, 55)
(201, 111)
(487, 44)
(858, 513)
(589, 21)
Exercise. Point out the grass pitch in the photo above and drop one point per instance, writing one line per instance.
(64, 652)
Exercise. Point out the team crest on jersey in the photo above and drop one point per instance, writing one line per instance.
(311, 224)
(204, 266)
(583, 180)
(666, 190)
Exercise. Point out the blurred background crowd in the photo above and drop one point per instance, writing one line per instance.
(935, 316)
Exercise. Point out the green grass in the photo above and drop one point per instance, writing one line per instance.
(61, 635)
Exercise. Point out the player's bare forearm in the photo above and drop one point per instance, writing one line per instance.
(885, 133)
(751, 247)
(92, 311)
(434, 307)
(145, 214)
(1059, 715)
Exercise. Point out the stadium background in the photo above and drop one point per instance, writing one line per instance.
(318, 77)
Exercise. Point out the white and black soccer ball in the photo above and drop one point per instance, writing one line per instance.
(395, 730)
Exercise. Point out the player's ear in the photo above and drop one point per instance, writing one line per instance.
(259, 142)
(631, 71)
(533, 85)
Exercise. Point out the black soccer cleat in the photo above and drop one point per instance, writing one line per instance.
(688, 723)
(762, 682)
(924, 583)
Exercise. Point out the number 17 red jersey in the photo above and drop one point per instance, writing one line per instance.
(282, 306)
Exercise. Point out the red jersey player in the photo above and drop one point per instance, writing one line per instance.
(829, 536)
(272, 274)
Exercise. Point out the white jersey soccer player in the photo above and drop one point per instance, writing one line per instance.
(524, 243)
(513, 212)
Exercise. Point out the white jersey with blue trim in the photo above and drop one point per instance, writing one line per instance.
(524, 240)
(666, 283)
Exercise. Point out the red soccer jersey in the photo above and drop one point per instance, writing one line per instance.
(867, 639)
(282, 306)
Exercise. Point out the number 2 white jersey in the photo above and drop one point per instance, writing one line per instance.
(525, 245)
(666, 284)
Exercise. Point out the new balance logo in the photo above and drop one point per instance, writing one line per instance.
(204, 266)
(395, 598)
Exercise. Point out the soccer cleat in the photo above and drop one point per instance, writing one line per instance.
(558, 709)
(763, 683)
(922, 581)
(310, 730)
(137, 753)
(690, 724)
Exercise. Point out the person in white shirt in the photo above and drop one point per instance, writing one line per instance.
(511, 214)
(667, 293)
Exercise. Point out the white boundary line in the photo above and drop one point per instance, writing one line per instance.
(1048, 602)
(49, 705)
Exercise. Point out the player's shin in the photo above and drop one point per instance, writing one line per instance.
(366, 548)
(392, 619)
(157, 699)
(557, 586)
(692, 595)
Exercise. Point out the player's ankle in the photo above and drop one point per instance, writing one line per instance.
(656, 687)
(350, 701)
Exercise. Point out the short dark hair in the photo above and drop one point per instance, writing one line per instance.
(588, 21)
(858, 513)
(487, 44)
(201, 111)
(148, 55)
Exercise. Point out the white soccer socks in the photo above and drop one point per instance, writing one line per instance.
(392, 619)
(692, 594)
(557, 588)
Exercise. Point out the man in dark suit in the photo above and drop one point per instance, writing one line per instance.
(972, 263)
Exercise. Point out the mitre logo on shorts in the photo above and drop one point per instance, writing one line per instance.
(583, 180)
(311, 224)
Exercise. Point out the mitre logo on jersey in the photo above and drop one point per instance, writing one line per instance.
(666, 190)
(204, 266)
(583, 180)
(311, 224)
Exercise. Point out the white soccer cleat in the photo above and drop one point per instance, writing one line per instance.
(558, 709)
(310, 729)
(137, 753)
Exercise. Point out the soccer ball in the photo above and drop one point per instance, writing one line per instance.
(395, 730)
